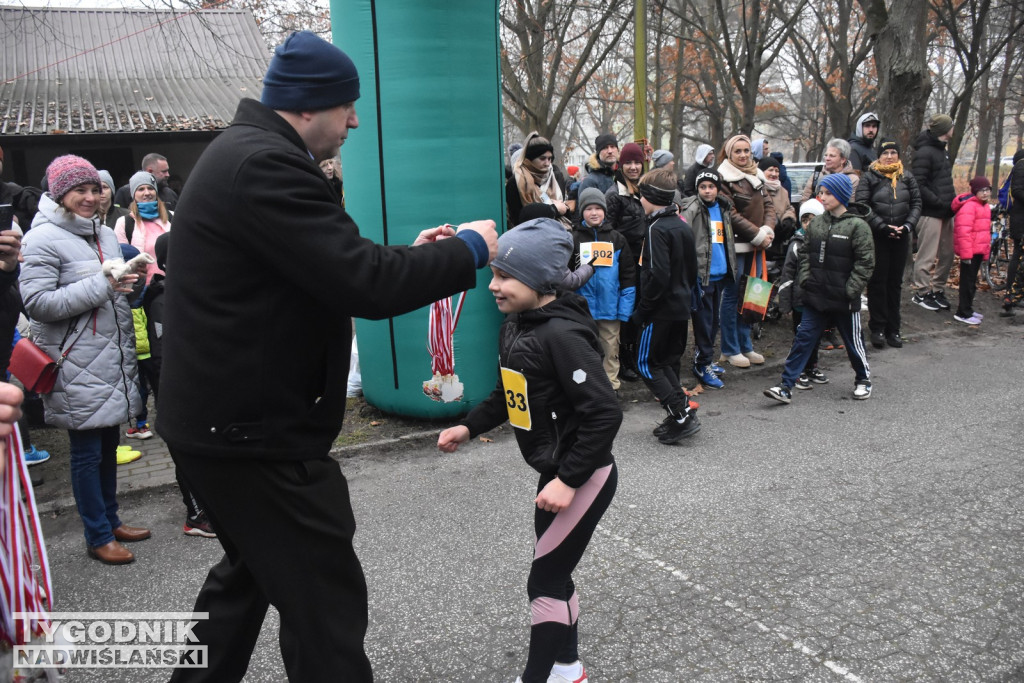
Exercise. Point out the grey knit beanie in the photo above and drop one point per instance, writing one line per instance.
(138, 180)
(592, 195)
(535, 253)
(105, 177)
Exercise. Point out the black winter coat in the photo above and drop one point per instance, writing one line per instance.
(888, 208)
(571, 403)
(934, 173)
(626, 215)
(267, 271)
(1017, 209)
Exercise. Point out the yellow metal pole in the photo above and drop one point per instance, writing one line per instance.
(640, 76)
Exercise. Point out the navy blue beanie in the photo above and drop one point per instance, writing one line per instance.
(309, 74)
(839, 185)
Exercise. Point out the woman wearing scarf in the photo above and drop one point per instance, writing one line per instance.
(895, 203)
(785, 214)
(533, 180)
(753, 221)
(148, 217)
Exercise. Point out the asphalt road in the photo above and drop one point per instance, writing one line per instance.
(828, 540)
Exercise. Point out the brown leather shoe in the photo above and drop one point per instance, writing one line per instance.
(112, 553)
(129, 534)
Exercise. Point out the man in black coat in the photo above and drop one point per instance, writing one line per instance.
(268, 268)
(934, 174)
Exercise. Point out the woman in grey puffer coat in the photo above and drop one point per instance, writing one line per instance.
(75, 308)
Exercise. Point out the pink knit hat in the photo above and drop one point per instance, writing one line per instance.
(67, 172)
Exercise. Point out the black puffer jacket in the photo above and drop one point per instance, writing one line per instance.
(626, 214)
(934, 173)
(572, 407)
(1017, 193)
(901, 206)
(836, 260)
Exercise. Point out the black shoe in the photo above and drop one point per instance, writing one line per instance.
(925, 301)
(894, 340)
(878, 340)
(1007, 312)
(779, 393)
(680, 429)
(665, 424)
(628, 375)
(940, 300)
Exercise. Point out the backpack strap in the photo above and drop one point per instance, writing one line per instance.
(129, 227)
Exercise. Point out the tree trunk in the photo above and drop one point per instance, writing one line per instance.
(903, 79)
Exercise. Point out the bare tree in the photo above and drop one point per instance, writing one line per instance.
(836, 53)
(743, 39)
(978, 31)
(550, 50)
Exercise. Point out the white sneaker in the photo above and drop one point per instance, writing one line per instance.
(568, 673)
(754, 357)
(739, 360)
(862, 391)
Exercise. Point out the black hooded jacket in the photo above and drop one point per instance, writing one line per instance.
(934, 173)
(571, 403)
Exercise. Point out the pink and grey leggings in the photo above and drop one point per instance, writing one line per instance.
(561, 540)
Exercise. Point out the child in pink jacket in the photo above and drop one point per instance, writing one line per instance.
(972, 236)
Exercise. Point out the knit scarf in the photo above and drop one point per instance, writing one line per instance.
(734, 174)
(772, 185)
(534, 183)
(890, 171)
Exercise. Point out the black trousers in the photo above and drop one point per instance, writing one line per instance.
(659, 350)
(286, 528)
(884, 287)
(968, 285)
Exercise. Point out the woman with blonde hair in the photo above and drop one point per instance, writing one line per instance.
(148, 218)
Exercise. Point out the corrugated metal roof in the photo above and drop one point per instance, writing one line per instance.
(124, 71)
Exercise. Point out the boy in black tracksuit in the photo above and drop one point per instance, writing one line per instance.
(554, 391)
(668, 280)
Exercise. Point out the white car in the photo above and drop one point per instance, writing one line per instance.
(1006, 161)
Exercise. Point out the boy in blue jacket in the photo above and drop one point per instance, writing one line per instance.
(610, 293)
(708, 216)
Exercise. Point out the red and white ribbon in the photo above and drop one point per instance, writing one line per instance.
(20, 532)
(441, 335)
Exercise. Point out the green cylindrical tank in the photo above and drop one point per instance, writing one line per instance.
(428, 151)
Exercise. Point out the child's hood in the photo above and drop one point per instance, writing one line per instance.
(568, 306)
(960, 200)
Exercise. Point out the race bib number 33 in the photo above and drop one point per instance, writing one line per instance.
(516, 400)
(601, 252)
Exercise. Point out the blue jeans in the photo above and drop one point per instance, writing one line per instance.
(735, 332)
(94, 481)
